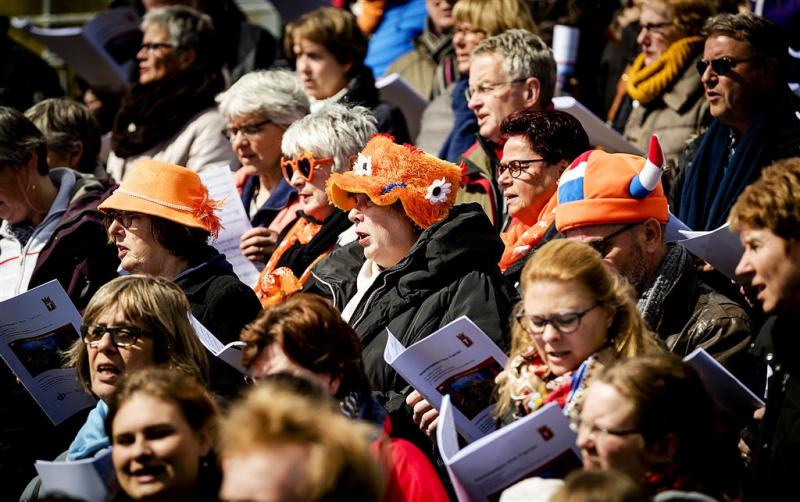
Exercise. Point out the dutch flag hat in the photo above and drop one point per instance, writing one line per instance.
(600, 188)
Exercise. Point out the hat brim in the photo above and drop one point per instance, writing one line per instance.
(125, 202)
(342, 185)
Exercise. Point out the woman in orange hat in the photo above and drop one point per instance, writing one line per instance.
(418, 262)
(160, 221)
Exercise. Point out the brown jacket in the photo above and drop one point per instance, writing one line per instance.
(677, 116)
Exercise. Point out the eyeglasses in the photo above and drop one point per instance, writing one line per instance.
(565, 323)
(603, 245)
(721, 66)
(486, 88)
(655, 27)
(247, 130)
(124, 218)
(577, 424)
(121, 336)
(515, 167)
(305, 164)
(152, 46)
(468, 30)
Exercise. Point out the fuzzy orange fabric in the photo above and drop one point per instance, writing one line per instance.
(519, 239)
(168, 191)
(387, 172)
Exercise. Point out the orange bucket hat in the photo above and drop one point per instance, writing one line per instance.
(168, 191)
(387, 172)
(601, 188)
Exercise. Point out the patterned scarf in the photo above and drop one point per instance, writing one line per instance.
(646, 83)
(651, 303)
(519, 239)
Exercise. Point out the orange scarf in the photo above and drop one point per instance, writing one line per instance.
(519, 239)
(276, 284)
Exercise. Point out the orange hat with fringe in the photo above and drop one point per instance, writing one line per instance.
(387, 172)
(601, 188)
(168, 191)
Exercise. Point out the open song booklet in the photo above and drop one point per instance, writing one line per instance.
(538, 445)
(458, 360)
(230, 353)
(36, 328)
(92, 479)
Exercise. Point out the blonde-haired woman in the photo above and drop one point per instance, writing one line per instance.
(576, 318)
(131, 323)
(448, 126)
(663, 92)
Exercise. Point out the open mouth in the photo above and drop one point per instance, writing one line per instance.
(148, 473)
(363, 239)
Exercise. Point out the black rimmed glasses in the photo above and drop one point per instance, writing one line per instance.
(121, 336)
(489, 87)
(247, 130)
(578, 425)
(124, 218)
(603, 245)
(721, 66)
(154, 46)
(515, 167)
(565, 323)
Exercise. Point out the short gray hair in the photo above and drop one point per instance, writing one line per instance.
(277, 94)
(335, 130)
(523, 55)
(188, 29)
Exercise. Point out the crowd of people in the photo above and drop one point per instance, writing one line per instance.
(501, 210)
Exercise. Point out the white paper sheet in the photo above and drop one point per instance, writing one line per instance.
(600, 134)
(91, 479)
(36, 327)
(231, 353)
(728, 392)
(460, 360)
(720, 248)
(90, 50)
(219, 181)
(395, 90)
(540, 444)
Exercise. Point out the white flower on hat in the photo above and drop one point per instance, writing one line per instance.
(363, 165)
(438, 191)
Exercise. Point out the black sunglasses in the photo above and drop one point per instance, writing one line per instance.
(603, 246)
(124, 218)
(121, 336)
(721, 66)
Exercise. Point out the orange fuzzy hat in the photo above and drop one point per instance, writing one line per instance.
(168, 191)
(600, 188)
(387, 172)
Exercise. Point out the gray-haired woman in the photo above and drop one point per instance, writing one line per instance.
(170, 114)
(326, 141)
(258, 108)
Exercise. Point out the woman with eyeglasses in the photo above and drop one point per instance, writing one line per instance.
(662, 90)
(651, 418)
(259, 108)
(539, 146)
(162, 425)
(161, 221)
(576, 318)
(170, 114)
(131, 323)
(315, 146)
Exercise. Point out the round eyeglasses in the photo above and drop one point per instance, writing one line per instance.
(578, 425)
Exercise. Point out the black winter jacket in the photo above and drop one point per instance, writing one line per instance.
(451, 271)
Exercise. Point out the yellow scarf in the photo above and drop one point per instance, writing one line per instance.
(648, 82)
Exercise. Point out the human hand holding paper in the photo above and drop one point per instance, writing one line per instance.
(424, 414)
(257, 244)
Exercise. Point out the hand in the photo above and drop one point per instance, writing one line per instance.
(425, 415)
(257, 244)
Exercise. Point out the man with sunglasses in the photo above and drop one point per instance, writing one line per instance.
(597, 205)
(755, 118)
